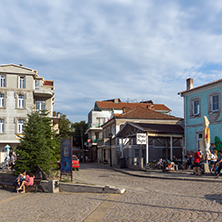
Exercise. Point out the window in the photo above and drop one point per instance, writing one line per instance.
(20, 125)
(199, 140)
(214, 103)
(37, 84)
(108, 132)
(196, 107)
(137, 152)
(100, 121)
(22, 82)
(21, 101)
(113, 129)
(104, 134)
(2, 81)
(2, 100)
(1, 125)
(40, 105)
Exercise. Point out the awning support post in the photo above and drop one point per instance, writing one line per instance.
(147, 150)
(171, 148)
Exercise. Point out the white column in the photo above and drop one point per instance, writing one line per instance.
(147, 149)
(121, 141)
(171, 148)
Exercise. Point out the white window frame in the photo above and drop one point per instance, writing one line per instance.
(2, 80)
(2, 100)
(20, 126)
(2, 125)
(193, 113)
(199, 137)
(37, 84)
(212, 102)
(41, 103)
(198, 107)
(22, 82)
(21, 101)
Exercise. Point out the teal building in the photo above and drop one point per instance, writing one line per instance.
(201, 101)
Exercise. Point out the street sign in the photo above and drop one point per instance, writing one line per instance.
(66, 157)
(141, 138)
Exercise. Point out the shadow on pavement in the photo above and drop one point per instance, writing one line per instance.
(217, 198)
(164, 206)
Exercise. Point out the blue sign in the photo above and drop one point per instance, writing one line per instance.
(66, 156)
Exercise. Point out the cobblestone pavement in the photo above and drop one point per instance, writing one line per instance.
(156, 199)
(145, 200)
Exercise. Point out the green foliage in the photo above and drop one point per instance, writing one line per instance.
(64, 127)
(218, 144)
(79, 129)
(39, 145)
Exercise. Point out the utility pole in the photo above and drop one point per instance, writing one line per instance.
(110, 150)
(83, 155)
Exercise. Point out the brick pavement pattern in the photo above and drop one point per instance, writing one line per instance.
(145, 200)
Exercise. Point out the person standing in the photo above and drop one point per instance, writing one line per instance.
(219, 163)
(213, 161)
(197, 157)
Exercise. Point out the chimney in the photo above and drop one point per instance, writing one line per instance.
(125, 109)
(189, 83)
(116, 100)
(151, 107)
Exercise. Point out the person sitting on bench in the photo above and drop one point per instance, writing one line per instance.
(29, 181)
(20, 179)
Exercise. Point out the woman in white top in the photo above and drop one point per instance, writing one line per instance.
(213, 161)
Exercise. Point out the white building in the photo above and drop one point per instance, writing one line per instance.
(21, 91)
(105, 110)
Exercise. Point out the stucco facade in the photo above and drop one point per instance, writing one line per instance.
(114, 125)
(199, 102)
(21, 91)
(105, 110)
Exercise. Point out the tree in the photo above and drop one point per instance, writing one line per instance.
(79, 129)
(65, 130)
(39, 145)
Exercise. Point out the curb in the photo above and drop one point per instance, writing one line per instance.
(49, 186)
(167, 178)
(84, 188)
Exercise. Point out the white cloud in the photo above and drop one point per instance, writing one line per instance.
(103, 49)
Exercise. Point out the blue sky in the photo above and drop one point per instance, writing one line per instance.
(101, 49)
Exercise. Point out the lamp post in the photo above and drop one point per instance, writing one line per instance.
(110, 151)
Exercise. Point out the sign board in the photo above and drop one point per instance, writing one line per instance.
(19, 136)
(66, 157)
(141, 138)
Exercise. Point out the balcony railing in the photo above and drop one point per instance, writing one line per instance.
(94, 125)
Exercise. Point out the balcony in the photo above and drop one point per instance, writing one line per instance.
(94, 127)
(43, 93)
(92, 142)
(105, 142)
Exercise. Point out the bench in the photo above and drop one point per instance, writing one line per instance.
(37, 185)
(7, 181)
(10, 181)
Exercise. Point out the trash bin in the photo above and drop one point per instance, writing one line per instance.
(122, 163)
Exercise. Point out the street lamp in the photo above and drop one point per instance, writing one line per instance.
(110, 151)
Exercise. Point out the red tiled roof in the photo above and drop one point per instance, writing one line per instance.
(160, 128)
(48, 83)
(198, 87)
(145, 113)
(121, 105)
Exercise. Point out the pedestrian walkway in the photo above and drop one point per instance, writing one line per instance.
(173, 175)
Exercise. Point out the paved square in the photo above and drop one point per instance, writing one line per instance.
(145, 200)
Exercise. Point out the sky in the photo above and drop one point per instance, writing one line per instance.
(104, 49)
